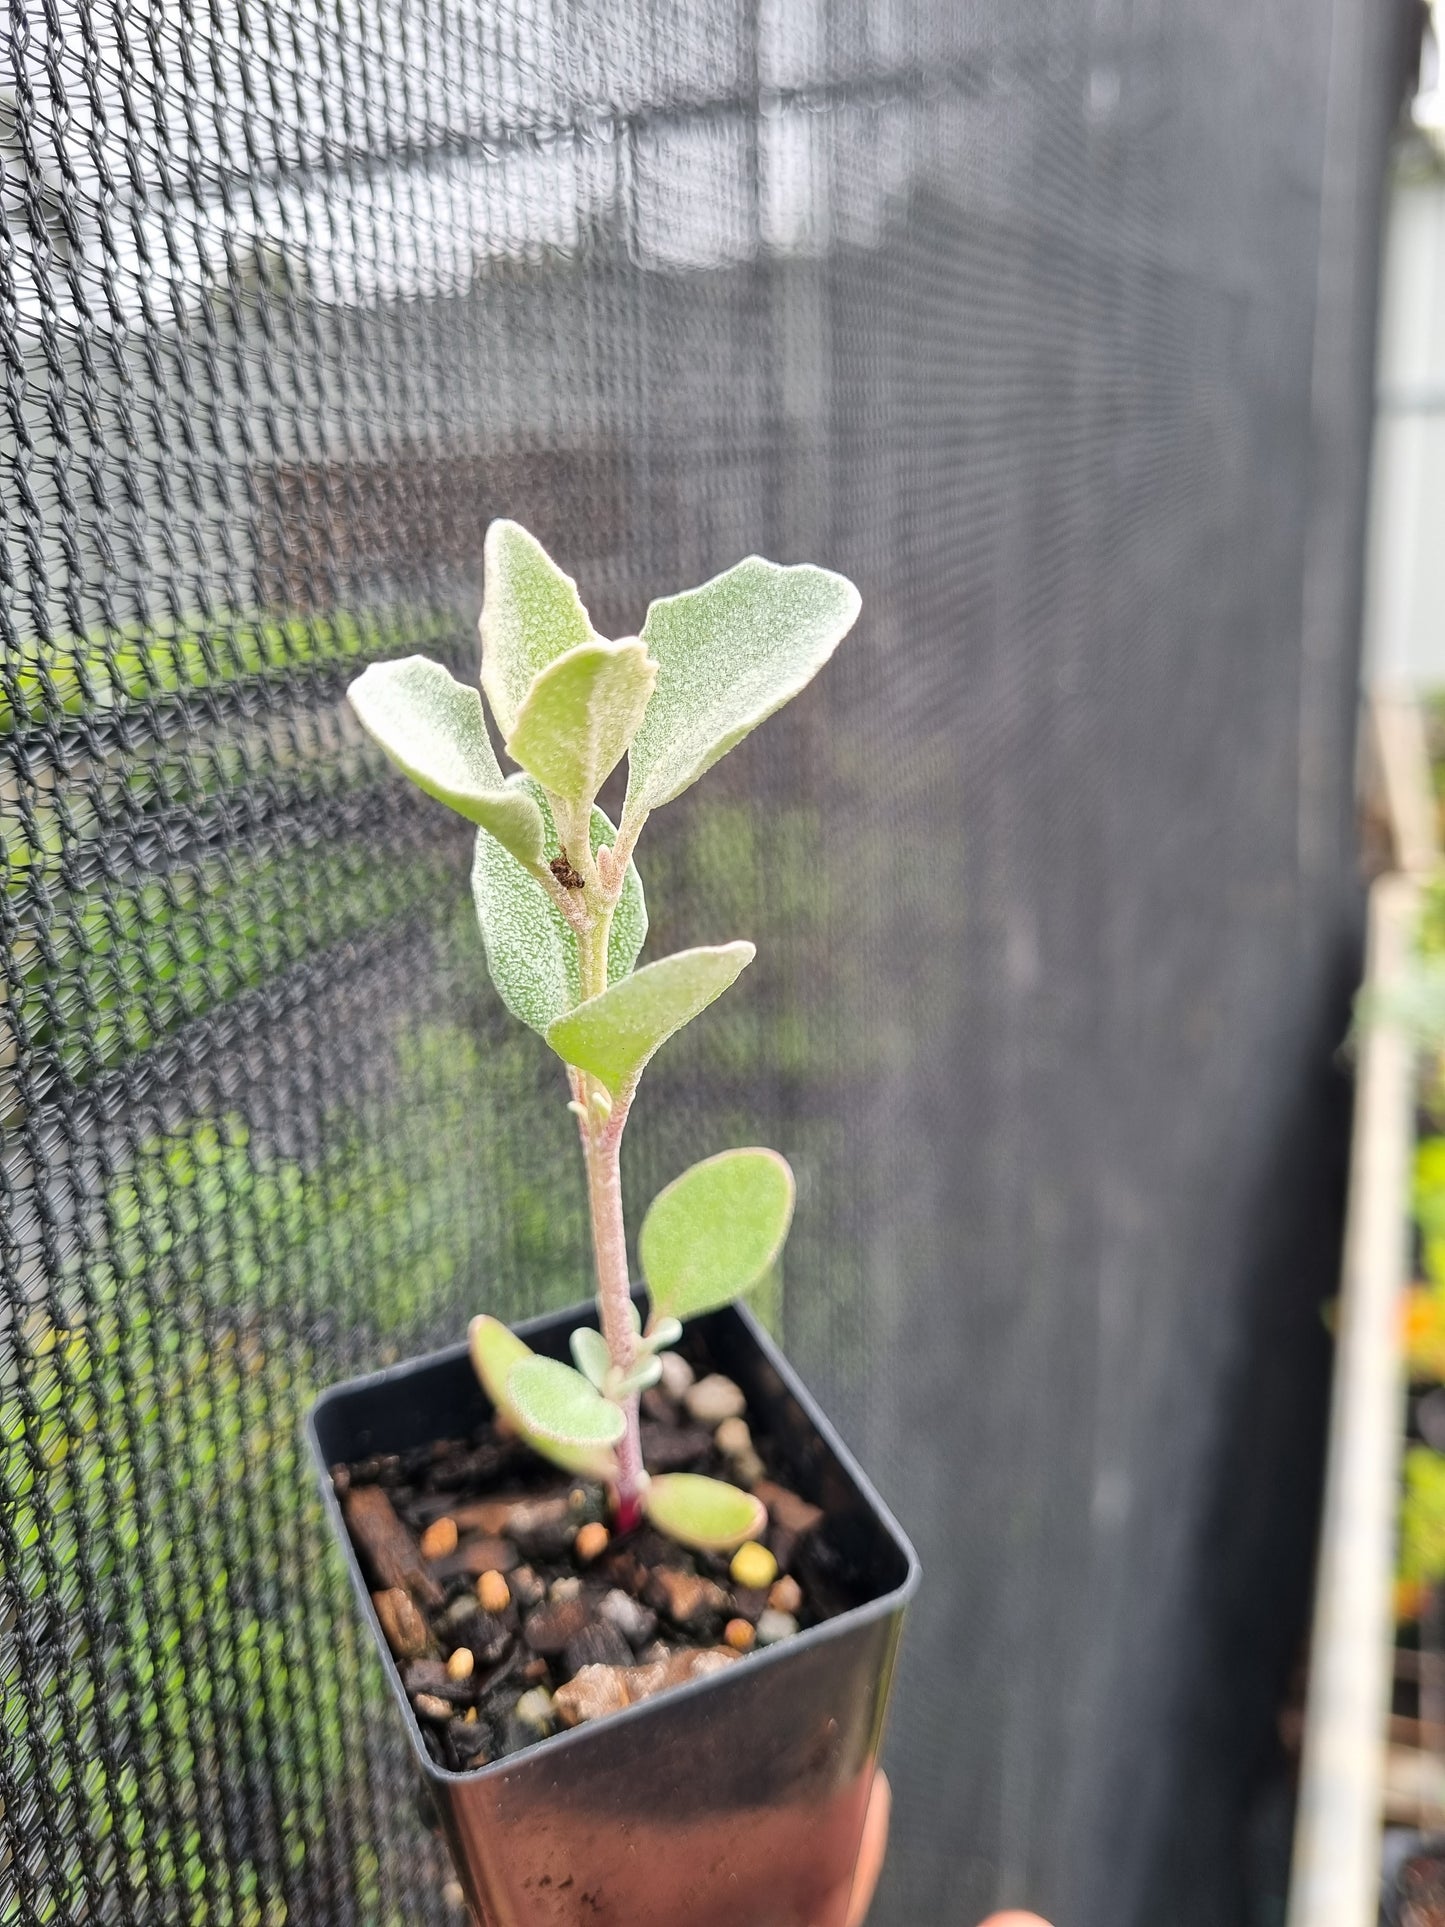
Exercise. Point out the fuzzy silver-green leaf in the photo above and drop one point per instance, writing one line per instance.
(531, 614)
(707, 1514)
(431, 726)
(662, 1332)
(715, 1232)
(646, 1372)
(555, 1403)
(729, 654)
(590, 1355)
(495, 1350)
(613, 1035)
(531, 949)
(580, 714)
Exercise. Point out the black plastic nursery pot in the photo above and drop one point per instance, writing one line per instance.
(736, 1800)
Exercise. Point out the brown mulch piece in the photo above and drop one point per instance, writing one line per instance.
(389, 1551)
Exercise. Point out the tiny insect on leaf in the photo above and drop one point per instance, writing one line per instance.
(531, 948)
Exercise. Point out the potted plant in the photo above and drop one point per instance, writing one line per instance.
(638, 1605)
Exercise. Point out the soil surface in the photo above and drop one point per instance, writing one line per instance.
(512, 1609)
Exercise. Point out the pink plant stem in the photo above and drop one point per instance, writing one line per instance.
(603, 1146)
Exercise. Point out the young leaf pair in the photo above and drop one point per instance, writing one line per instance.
(563, 920)
(708, 1237)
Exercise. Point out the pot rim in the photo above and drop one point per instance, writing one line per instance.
(884, 1606)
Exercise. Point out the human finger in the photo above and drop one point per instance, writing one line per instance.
(871, 1851)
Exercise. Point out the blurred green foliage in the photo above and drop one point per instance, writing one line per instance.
(1416, 1002)
(1428, 1202)
(157, 1516)
(86, 675)
(1420, 1006)
(152, 1458)
(1422, 1518)
(154, 1489)
(120, 968)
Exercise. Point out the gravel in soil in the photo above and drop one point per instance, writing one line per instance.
(512, 1610)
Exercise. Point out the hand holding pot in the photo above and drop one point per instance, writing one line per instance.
(870, 1864)
(873, 1847)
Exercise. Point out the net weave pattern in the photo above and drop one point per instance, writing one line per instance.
(1048, 324)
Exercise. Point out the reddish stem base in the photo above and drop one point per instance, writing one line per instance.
(627, 1513)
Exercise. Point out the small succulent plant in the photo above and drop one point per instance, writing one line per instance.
(563, 921)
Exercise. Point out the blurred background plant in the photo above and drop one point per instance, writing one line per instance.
(1420, 1006)
(155, 1510)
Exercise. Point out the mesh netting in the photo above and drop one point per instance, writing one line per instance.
(1048, 324)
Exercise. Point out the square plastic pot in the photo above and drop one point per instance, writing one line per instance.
(735, 1801)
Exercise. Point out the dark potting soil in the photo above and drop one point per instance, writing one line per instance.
(512, 1609)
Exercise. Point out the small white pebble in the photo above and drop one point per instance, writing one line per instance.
(535, 1709)
(677, 1375)
(631, 1618)
(565, 1589)
(714, 1399)
(775, 1626)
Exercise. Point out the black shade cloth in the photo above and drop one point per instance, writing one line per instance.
(1047, 323)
